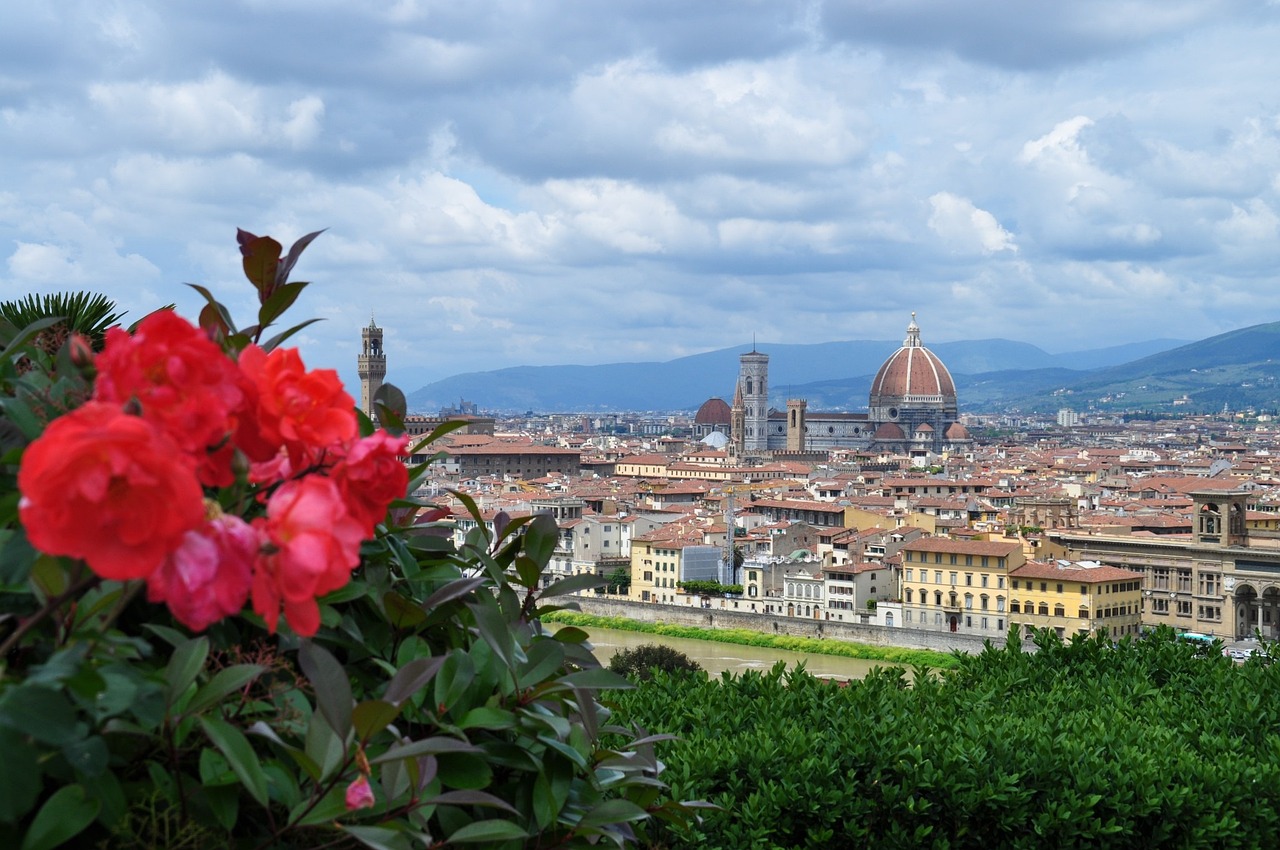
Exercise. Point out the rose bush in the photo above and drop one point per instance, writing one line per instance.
(358, 679)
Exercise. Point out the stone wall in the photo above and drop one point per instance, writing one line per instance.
(727, 618)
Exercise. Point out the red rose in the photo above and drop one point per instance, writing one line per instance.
(110, 488)
(359, 794)
(371, 476)
(182, 380)
(305, 412)
(314, 543)
(208, 576)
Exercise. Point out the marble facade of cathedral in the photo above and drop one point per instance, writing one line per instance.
(912, 410)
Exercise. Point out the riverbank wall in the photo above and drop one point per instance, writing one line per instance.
(724, 618)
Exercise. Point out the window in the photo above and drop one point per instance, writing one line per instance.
(1059, 611)
(1000, 603)
(1044, 609)
(968, 579)
(1184, 607)
(968, 601)
(1000, 582)
(937, 597)
(1184, 581)
(953, 579)
(937, 577)
(1015, 584)
(984, 622)
(909, 578)
(1044, 587)
(951, 559)
(908, 595)
(1059, 587)
(984, 579)
(1013, 607)
(1208, 584)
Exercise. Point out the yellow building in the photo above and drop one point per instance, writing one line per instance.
(958, 585)
(1076, 596)
(665, 557)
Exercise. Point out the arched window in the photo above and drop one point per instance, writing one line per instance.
(888, 618)
(968, 601)
(1059, 611)
(937, 597)
(982, 601)
(1044, 609)
(908, 593)
(1000, 604)
(1014, 608)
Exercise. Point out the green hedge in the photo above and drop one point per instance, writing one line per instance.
(1079, 745)
(747, 637)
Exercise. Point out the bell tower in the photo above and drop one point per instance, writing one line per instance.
(372, 365)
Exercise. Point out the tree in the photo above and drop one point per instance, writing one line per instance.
(640, 662)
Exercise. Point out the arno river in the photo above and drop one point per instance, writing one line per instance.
(715, 657)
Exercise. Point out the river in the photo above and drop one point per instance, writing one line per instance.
(717, 657)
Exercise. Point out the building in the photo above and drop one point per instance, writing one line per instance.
(669, 555)
(958, 585)
(371, 365)
(1218, 580)
(1073, 597)
(912, 410)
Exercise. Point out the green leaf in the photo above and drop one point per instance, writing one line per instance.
(427, 746)
(493, 627)
(19, 778)
(377, 837)
(487, 717)
(235, 747)
(281, 299)
(183, 667)
(487, 831)
(274, 342)
(330, 808)
(303, 760)
(43, 713)
(411, 677)
(372, 716)
(89, 756)
(613, 811)
(332, 686)
(471, 798)
(224, 682)
(402, 612)
(261, 258)
(601, 678)
(572, 584)
(63, 816)
(540, 538)
(453, 590)
(324, 748)
(545, 657)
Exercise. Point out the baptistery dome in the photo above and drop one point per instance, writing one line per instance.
(913, 373)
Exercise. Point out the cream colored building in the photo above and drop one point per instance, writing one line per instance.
(958, 585)
(1073, 597)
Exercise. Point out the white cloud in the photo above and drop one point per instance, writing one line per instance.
(965, 228)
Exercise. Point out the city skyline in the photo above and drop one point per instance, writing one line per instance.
(507, 184)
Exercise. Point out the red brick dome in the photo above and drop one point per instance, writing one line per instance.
(913, 372)
(714, 411)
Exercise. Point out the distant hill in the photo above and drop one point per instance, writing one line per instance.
(1239, 369)
(831, 375)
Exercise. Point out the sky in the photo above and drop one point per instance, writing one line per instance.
(576, 181)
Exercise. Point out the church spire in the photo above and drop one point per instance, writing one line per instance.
(913, 333)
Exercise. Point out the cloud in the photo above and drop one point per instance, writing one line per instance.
(966, 228)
